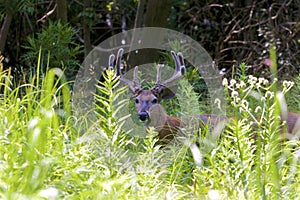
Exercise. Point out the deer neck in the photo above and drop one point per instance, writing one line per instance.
(166, 126)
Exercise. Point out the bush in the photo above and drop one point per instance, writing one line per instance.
(58, 49)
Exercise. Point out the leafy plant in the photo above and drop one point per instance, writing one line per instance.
(31, 133)
(43, 157)
(57, 42)
(251, 161)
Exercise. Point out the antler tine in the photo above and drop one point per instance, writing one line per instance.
(133, 85)
(136, 79)
(180, 69)
(118, 62)
(111, 62)
(158, 74)
(181, 62)
(176, 60)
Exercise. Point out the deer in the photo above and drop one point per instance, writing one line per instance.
(147, 103)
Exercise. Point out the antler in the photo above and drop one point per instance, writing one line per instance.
(133, 85)
(180, 71)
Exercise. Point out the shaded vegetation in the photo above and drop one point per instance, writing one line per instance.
(231, 31)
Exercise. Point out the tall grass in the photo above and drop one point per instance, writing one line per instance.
(32, 133)
(43, 157)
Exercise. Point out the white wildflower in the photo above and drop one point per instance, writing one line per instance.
(258, 109)
(263, 81)
(242, 84)
(287, 85)
(245, 104)
(225, 82)
(232, 82)
(269, 95)
(218, 102)
(234, 94)
(252, 80)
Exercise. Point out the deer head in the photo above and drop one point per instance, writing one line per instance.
(146, 100)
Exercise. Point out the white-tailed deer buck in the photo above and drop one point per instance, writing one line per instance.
(147, 102)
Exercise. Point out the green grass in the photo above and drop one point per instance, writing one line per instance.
(43, 157)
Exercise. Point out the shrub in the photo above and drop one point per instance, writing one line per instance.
(58, 48)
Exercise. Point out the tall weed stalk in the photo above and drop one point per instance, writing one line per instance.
(31, 133)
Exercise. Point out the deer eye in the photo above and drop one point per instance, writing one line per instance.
(137, 101)
(154, 101)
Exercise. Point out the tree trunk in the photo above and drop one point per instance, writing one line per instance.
(5, 30)
(86, 29)
(157, 13)
(155, 16)
(138, 23)
(62, 11)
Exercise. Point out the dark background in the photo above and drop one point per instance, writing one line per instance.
(231, 31)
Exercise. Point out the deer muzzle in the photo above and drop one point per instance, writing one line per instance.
(143, 116)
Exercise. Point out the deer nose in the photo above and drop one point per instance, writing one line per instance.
(143, 116)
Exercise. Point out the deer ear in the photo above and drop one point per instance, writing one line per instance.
(165, 92)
